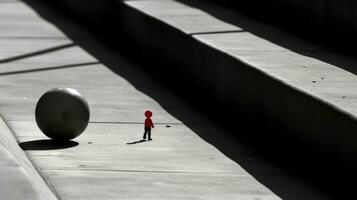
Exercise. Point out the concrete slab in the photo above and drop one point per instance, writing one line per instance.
(16, 184)
(143, 185)
(16, 49)
(17, 20)
(108, 147)
(19, 179)
(296, 69)
(187, 19)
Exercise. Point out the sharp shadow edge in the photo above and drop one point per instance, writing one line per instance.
(36, 53)
(49, 68)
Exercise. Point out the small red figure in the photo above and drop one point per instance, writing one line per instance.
(148, 125)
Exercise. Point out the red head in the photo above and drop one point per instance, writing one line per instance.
(148, 113)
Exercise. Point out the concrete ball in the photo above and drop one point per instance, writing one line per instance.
(62, 114)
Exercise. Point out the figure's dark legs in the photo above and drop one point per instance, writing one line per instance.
(146, 131)
(149, 133)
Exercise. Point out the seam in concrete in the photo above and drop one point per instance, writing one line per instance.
(216, 32)
(49, 68)
(158, 123)
(147, 171)
(32, 38)
(36, 53)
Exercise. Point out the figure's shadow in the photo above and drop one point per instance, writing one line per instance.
(47, 144)
(136, 142)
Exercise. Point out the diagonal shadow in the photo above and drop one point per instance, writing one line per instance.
(46, 144)
(238, 151)
(36, 53)
(138, 141)
(49, 68)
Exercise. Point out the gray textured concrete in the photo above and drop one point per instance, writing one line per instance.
(19, 179)
(175, 152)
(18, 21)
(179, 163)
(187, 19)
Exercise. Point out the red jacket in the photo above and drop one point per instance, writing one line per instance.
(148, 123)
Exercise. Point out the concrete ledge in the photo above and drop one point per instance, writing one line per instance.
(297, 96)
(20, 180)
(326, 20)
(294, 97)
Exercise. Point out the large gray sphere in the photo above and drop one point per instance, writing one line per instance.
(62, 113)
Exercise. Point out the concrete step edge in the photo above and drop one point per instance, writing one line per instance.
(38, 184)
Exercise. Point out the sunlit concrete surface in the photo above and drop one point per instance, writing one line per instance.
(19, 179)
(107, 161)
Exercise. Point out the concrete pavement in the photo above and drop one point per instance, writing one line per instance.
(177, 164)
(19, 178)
(180, 163)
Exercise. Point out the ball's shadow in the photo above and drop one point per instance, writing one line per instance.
(47, 144)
